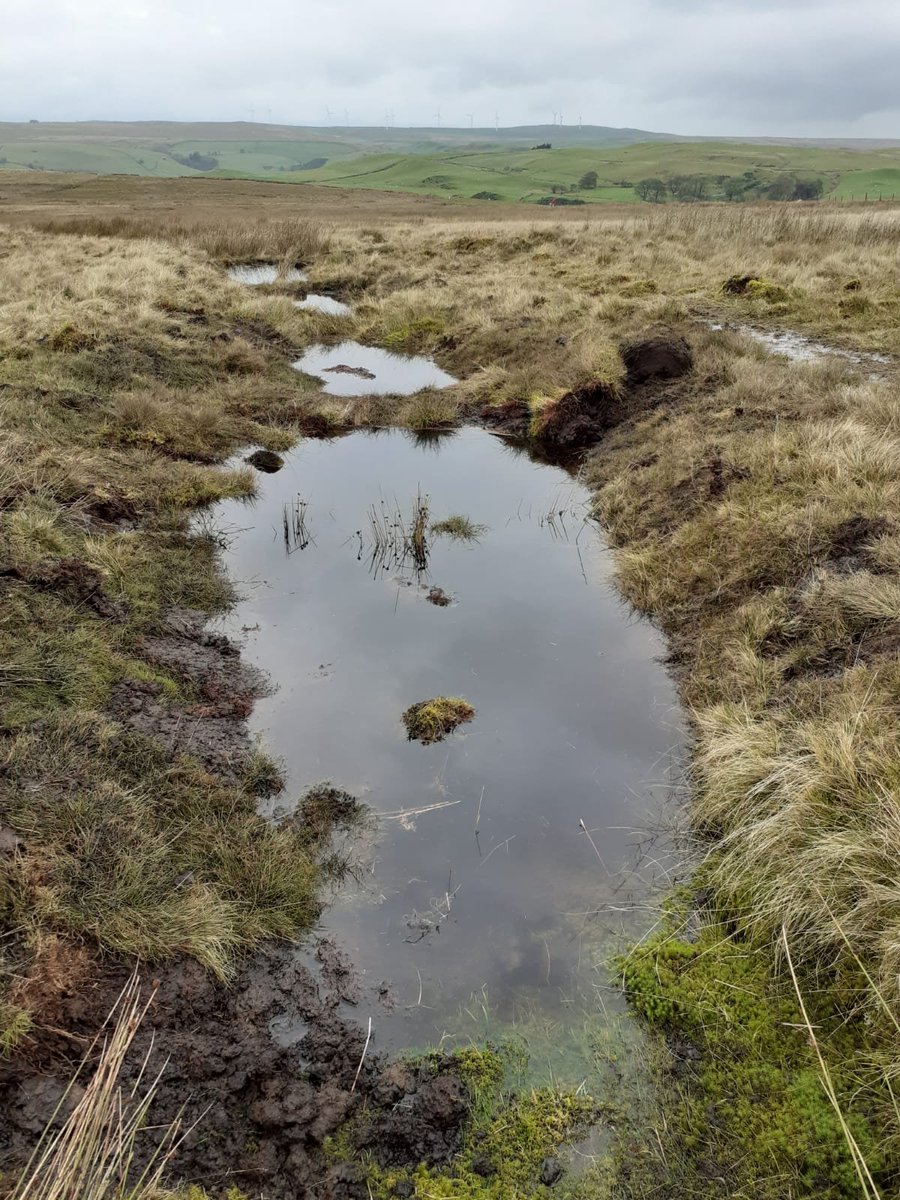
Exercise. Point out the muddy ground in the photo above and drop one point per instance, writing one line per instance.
(262, 1108)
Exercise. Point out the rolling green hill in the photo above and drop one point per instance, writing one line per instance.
(532, 175)
(451, 163)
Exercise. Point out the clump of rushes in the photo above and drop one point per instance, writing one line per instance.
(458, 527)
(432, 720)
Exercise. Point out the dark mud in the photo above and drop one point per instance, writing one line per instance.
(851, 541)
(660, 357)
(263, 1108)
(222, 689)
(581, 417)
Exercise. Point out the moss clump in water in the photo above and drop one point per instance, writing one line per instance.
(458, 527)
(265, 460)
(325, 808)
(432, 720)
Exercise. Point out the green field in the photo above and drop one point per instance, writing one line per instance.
(528, 175)
(882, 183)
(451, 164)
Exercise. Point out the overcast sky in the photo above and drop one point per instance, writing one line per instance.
(784, 67)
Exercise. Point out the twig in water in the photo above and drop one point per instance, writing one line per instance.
(405, 813)
(478, 814)
(499, 846)
(584, 829)
(363, 1059)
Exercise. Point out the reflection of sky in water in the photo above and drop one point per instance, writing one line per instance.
(256, 273)
(576, 719)
(394, 374)
(324, 304)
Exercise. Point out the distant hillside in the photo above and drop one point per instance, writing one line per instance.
(531, 163)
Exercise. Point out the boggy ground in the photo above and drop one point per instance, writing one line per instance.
(752, 504)
(264, 1112)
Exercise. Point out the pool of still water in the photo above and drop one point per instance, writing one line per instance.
(507, 860)
(351, 369)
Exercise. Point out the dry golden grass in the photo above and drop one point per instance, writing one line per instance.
(91, 1153)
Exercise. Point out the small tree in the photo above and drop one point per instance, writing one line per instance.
(652, 190)
(588, 181)
(688, 187)
(781, 188)
(809, 189)
(734, 188)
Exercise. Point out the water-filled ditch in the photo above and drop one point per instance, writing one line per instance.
(506, 860)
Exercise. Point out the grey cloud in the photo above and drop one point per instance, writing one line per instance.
(692, 66)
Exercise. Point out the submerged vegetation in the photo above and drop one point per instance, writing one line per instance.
(752, 508)
(433, 720)
(458, 527)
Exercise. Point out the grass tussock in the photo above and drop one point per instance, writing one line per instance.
(432, 720)
(459, 527)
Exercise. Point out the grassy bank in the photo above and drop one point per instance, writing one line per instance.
(126, 370)
(752, 507)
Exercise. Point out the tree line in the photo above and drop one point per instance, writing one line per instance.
(749, 186)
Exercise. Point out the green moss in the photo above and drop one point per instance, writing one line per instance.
(509, 1135)
(432, 720)
(763, 289)
(640, 287)
(69, 339)
(415, 336)
(746, 1104)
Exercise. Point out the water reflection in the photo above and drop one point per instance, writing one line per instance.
(350, 369)
(504, 866)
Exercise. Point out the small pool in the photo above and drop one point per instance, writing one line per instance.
(350, 369)
(324, 304)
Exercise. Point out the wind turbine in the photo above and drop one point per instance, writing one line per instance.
(437, 116)
(471, 117)
(496, 122)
